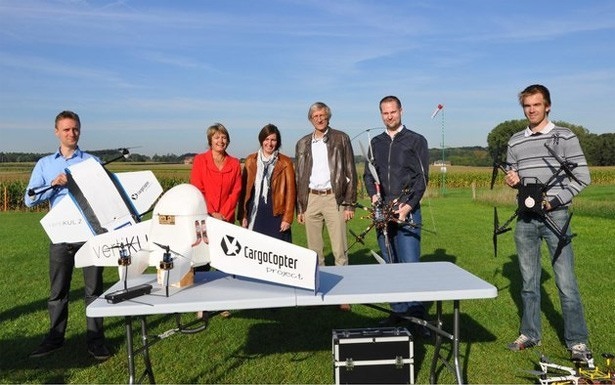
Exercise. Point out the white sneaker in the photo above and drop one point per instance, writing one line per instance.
(580, 352)
(523, 342)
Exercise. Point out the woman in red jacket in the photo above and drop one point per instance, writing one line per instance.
(218, 175)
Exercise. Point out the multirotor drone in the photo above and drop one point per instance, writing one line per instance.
(583, 372)
(531, 199)
(382, 214)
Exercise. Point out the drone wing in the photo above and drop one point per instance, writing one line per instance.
(141, 187)
(239, 251)
(66, 223)
(102, 250)
(97, 202)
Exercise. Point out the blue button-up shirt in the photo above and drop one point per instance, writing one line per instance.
(46, 170)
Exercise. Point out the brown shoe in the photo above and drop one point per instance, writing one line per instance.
(345, 307)
(225, 314)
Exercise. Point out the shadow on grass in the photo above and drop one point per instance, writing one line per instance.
(439, 255)
(15, 364)
(305, 331)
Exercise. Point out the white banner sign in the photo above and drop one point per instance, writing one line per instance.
(235, 250)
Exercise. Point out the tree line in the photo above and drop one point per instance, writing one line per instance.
(599, 149)
(104, 155)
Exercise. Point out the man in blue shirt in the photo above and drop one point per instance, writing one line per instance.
(50, 171)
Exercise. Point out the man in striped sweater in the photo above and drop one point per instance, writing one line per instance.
(531, 162)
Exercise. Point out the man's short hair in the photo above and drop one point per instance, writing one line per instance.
(68, 115)
(388, 99)
(535, 89)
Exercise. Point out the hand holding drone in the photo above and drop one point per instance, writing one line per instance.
(33, 192)
(532, 200)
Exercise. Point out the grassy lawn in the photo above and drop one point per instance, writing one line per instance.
(293, 345)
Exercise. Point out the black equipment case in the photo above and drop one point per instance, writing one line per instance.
(373, 356)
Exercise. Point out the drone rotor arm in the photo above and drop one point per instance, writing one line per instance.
(562, 235)
(565, 166)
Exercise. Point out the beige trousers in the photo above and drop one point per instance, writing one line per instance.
(323, 210)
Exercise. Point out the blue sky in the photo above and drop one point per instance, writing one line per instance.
(155, 74)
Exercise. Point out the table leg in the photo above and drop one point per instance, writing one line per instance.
(456, 367)
(142, 350)
(456, 341)
(129, 350)
(146, 359)
(437, 345)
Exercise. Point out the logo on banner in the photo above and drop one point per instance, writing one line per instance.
(230, 246)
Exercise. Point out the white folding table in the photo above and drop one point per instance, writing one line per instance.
(353, 284)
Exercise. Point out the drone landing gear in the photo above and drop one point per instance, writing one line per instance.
(126, 293)
(130, 293)
(167, 265)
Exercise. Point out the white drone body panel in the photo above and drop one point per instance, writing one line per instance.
(239, 251)
(104, 249)
(99, 202)
(66, 223)
(101, 195)
(178, 223)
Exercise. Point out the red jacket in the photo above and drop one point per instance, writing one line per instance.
(220, 188)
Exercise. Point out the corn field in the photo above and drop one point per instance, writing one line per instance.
(14, 180)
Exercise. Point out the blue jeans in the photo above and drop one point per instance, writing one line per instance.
(529, 233)
(405, 246)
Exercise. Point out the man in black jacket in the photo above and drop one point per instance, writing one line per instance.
(400, 158)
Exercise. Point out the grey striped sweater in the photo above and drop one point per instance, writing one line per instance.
(529, 157)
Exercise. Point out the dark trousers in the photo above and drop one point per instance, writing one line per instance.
(61, 264)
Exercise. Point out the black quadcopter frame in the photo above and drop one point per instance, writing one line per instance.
(531, 201)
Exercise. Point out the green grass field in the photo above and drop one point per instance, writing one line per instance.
(293, 345)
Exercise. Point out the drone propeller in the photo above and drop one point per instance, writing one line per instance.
(494, 173)
(536, 373)
(359, 238)
(416, 225)
(124, 259)
(378, 257)
(167, 261)
(124, 153)
(543, 359)
(496, 225)
(497, 229)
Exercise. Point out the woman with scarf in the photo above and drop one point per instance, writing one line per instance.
(268, 197)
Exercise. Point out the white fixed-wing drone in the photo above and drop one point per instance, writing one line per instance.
(104, 210)
(181, 235)
(99, 202)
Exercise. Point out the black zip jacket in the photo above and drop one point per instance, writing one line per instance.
(402, 163)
